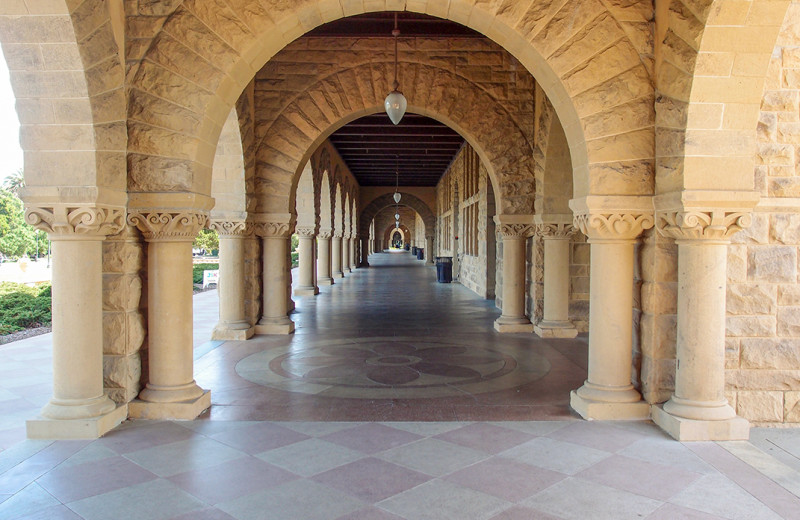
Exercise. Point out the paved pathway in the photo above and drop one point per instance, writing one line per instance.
(379, 464)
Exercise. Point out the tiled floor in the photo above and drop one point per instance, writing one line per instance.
(353, 442)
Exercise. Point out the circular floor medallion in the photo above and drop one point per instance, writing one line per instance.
(399, 368)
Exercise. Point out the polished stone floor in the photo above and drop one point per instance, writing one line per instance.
(411, 409)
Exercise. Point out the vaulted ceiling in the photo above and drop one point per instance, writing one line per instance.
(419, 149)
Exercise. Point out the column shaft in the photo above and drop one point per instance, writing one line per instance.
(324, 261)
(169, 317)
(555, 321)
(365, 252)
(336, 257)
(428, 253)
(345, 255)
(233, 323)
(608, 392)
(274, 319)
(305, 249)
(77, 289)
(513, 318)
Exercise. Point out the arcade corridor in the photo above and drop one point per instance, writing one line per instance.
(388, 343)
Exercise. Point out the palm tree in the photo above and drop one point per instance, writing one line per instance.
(14, 182)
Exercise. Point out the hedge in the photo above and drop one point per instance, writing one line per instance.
(23, 307)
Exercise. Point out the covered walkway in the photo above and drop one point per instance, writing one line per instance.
(388, 343)
(376, 412)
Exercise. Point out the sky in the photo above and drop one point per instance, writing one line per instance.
(10, 152)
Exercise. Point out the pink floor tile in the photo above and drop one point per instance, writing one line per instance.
(519, 481)
(371, 438)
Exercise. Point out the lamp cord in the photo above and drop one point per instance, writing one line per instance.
(395, 33)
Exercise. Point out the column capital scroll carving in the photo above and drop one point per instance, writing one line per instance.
(62, 221)
(337, 234)
(168, 225)
(620, 225)
(230, 227)
(271, 229)
(325, 233)
(555, 230)
(306, 231)
(516, 230)
(697, 224)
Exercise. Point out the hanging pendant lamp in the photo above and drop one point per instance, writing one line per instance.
(395, 103)
(396, 195)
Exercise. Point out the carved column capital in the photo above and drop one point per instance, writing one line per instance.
(325, 234)
(230, 228)
(271, 229)
(65, 221)
(620, 225)
(161, 225)
(304, 231)
(696, 224)
(516, 231)
(555, 230)
(337, 234)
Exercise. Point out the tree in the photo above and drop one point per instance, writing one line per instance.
(207, 239)
(16, 237)
(14, 182)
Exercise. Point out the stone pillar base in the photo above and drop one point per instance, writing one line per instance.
(325, 281)
(555, 329)
(733, 429)
(223, 333)
(67, 429)
(338, 275)
(346, 270)
(306, 291)
(605, 411)
(511, 325)
(181, 411)
(277, 327)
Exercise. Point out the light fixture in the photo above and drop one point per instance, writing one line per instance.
(395, 103)
(397, 216)
(396, 195)
(396, 224)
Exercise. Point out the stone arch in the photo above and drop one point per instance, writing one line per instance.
(346, 220)
(456, 102)
(325, 203)
(384, 201)
(557, 42)
(391, 230)
(228, 176)
(306, 205)
(711, 66)
(71, 104)
(338, 209)
(553, 165)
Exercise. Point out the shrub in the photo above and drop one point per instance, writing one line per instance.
(24, 307)
(295, 259)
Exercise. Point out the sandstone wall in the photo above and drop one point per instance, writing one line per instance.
(763, 301)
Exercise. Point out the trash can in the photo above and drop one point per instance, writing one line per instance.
(444, 269)
(414, 250)
(407, 247)
(420, 253)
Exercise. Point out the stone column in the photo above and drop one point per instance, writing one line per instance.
(555, 322)
(305, 272)
(429, 254)
(698, 409)
(515, 232)
(275, 247)
(233, 324)
(608, 393)
(324, 259)
(171, 391)
(79, 408)
(336, 256)
(346, 254)
(365, 252)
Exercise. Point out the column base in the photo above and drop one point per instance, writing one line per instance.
(338, 275)
(605, 411)
(346, 270)
(181, 411)
(679, 428)
(276, 326)
(555, 329)
(510, 325)
(224, 333)
(306, 291)
(325, 281)
(68, 429)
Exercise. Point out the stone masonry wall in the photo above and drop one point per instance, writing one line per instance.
(123, 315)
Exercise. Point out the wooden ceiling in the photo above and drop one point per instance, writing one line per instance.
(420, 149)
